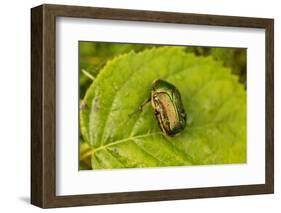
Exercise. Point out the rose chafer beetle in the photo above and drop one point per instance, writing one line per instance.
(168, 108)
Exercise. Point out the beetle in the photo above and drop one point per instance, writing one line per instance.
(167, 106)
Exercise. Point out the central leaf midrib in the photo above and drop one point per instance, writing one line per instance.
(141, 136)
(123, 141)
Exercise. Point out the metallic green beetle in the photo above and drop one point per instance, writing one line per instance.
(168, 108)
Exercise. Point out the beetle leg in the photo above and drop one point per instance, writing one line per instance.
(140, 108)
(144, 104)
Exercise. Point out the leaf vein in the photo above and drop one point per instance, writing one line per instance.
(148, 153)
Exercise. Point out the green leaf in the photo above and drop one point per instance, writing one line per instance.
(214, 100)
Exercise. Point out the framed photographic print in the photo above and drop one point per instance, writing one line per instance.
(136, 106)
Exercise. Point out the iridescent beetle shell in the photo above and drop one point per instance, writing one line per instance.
(168, 108)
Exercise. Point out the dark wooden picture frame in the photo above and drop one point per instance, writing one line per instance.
(43, 105)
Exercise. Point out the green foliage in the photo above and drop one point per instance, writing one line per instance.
(234, 58)
(214, 100)
(93, 56)
(85, 164)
